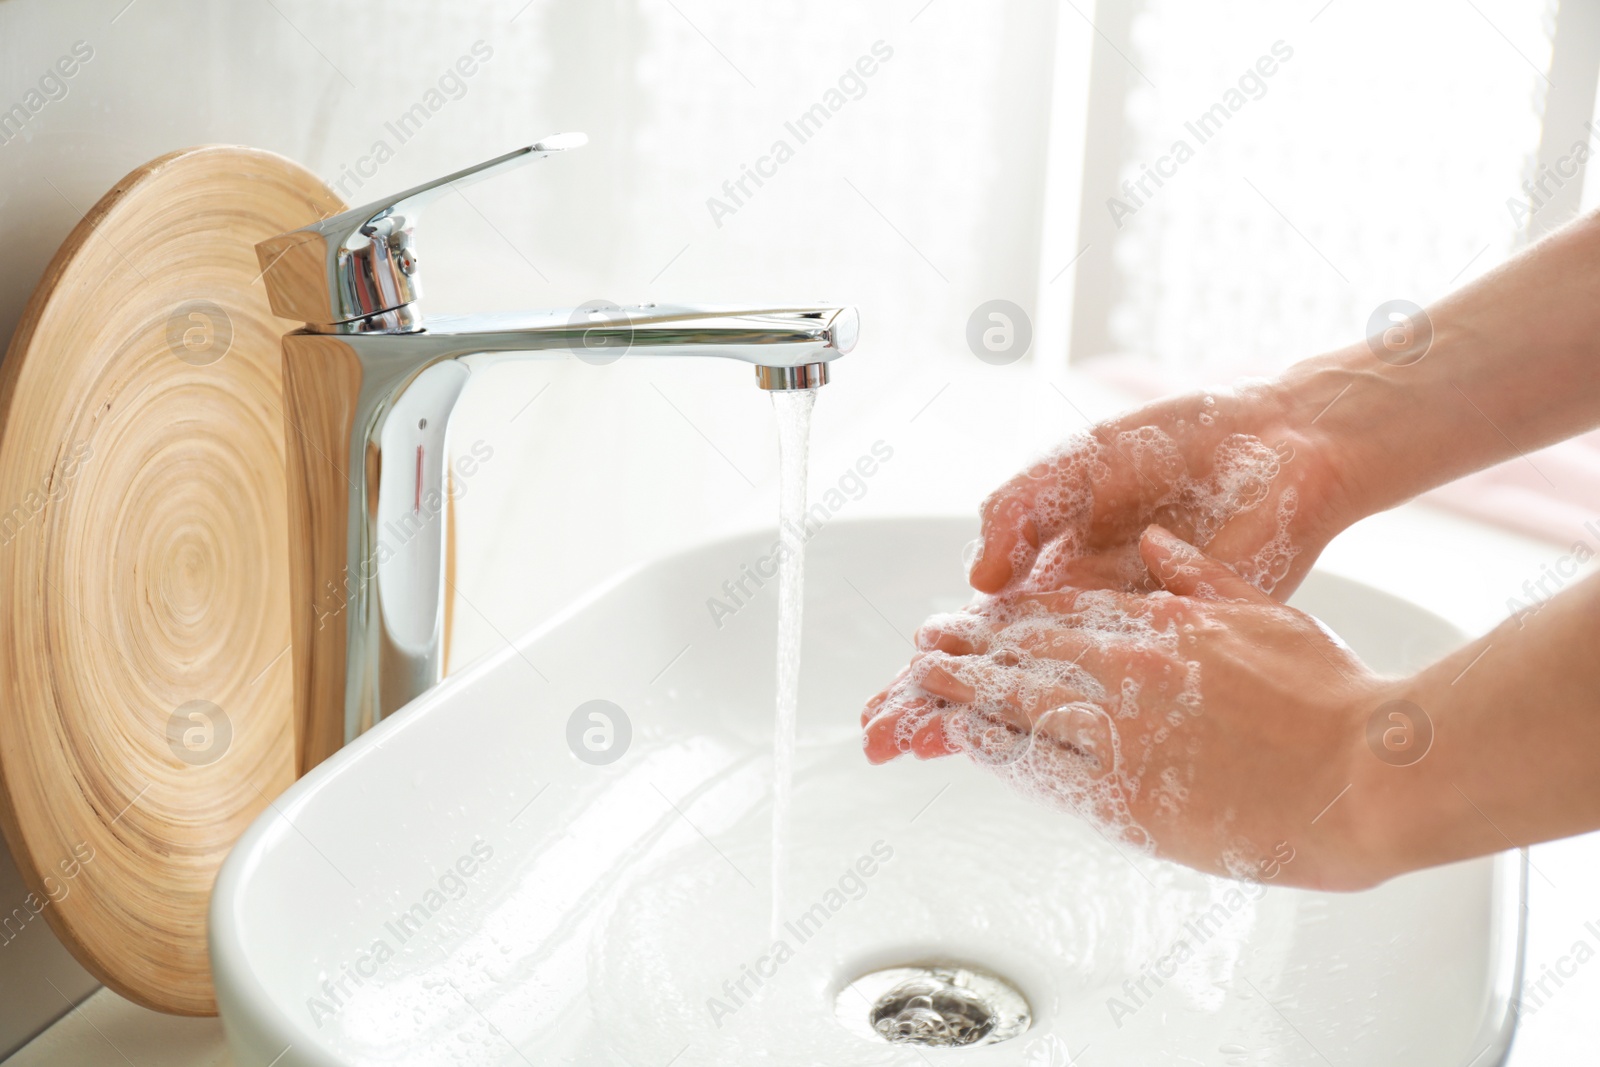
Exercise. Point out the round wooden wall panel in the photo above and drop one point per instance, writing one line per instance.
(147, 715)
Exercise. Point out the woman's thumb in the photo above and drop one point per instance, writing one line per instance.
(1183, 569)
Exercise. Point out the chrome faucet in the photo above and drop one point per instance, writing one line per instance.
(369, 386)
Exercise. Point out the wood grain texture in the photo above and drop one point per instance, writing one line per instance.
(321, 380)
(145, 658)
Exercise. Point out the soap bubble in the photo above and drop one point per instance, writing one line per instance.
(1080, 739)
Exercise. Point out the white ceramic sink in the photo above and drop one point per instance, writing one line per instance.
(569, 913)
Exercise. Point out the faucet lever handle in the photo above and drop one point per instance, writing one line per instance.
(412, 200)
(362, 262)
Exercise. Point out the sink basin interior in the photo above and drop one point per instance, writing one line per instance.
(459, 887)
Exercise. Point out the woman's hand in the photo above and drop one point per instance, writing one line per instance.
(1212, 725)
(1082, 691)
(1244, 476)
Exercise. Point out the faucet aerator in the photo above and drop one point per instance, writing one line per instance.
(805, 376)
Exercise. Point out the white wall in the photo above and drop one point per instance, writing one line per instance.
(916, 202)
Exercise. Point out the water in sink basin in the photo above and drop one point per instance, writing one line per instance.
(620, 907)
(901, 871)
(889, 865)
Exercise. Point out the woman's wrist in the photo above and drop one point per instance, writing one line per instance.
(1514, 729)
(1493, 371)
(1315, 399)
(1383, 435)
(1401, 821)
(1485, 750)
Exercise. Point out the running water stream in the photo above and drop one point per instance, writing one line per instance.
(793, 410)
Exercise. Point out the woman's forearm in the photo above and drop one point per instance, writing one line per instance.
(1515, 753)
(1513, 365)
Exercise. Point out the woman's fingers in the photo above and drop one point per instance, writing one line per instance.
(1086, 613)
(1033, 508)
(1009, 690)
(922, 725)
(1083, 729)
(987, 738)
(873, 706)
(939, 677)
(930, 741)
(934, 638)
(1185, 570)
(1009, 537)
(1018, 659)
(881, 738)
(1050, 642)
(1018, 693)
(1065, 565)
(960, 633)
(917, 727)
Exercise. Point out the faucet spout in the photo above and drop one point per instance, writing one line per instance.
(599, 333)
(369, 389)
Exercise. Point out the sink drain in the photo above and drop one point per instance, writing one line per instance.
(948, 1006)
